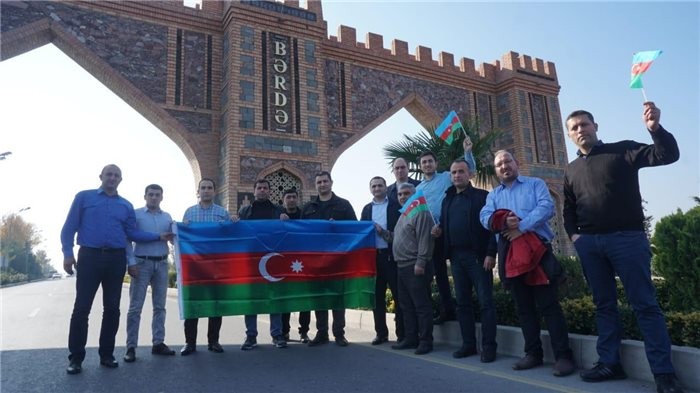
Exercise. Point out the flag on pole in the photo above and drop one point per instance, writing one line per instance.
(640, 64)
(448, 127)
(415, 204)
(274, 266)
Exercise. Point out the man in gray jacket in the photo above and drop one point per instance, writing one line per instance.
(413, 251)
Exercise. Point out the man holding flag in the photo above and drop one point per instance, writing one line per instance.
(412, 248)
(604, 218)
(433, 187)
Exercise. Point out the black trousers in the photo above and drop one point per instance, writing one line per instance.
(96, 267)
(416, 304)
(212, 331)
(304, 322)
(387, 275)
(533, 302)
(447, 303)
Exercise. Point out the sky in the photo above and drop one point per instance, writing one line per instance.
(62, 125)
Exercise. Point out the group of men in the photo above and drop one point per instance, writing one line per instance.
(452, 220)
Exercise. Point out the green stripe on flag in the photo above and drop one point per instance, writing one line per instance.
(245, 299)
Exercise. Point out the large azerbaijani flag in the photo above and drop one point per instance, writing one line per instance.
(448, 127)
(640, 64)
(274, 266)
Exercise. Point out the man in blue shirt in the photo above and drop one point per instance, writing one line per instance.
(148, 264)
(205, 211)
(529, 199)
(433, 186)
(105, 223)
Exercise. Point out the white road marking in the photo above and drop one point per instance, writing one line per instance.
(34, 313)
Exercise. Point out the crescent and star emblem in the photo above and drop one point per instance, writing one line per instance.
(262, 266)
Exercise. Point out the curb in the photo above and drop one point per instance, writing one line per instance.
(686, 360)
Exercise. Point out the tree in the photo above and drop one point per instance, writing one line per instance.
(18, 238)
(677, 257)
(411, 147)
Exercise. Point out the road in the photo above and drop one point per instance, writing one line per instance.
(33, 357)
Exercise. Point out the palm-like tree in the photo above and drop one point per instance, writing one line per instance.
(411, 147)
(697, 200)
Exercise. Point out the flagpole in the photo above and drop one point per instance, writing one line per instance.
(645, 95)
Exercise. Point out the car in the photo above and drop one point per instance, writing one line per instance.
(56, 275)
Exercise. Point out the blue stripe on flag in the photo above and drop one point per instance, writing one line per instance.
(255, 236)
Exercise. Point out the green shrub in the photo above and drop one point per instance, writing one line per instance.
(574, 286)
(691, 329)
(580, 315)
(677, 257)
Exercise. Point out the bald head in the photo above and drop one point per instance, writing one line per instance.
(110, 176)
(506, 167)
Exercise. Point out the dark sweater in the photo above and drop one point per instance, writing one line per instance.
(336, 208)
(601, 189)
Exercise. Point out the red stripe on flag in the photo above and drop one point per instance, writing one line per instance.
(640, 68)
(445, 134)
(248, 268)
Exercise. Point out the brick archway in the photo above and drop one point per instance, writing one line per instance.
(247, 85)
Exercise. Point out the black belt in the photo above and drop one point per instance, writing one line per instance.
(150, 258)
(382, 250)
(104, 250)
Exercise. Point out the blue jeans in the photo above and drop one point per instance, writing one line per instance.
(467, 272)
(251, 325)
(154, 273)
(627, 255)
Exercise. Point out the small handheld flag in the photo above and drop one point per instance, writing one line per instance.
(415, 204)
(448, 127)
(640, 64)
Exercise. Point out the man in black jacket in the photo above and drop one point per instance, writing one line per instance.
(385, 213)
(472, 252)
(328, 206)
(604, 218)
(262, 209)
(290, 203)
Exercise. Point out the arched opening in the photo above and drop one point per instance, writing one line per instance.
(365, 159)
(63, 126)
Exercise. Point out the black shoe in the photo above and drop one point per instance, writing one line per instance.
(109, 362)
(161, 349)
(249, 343)
(279, 342)
(405, 345)
(380, 340)
(304, 338)
(318, 340)
(286, 336)
(75, 367)
(341, 341)
(188, 349)
(423, 348)
(528, 362)
(130, 355)
(601, 372)
(464, 352)
(563, 367)
(667, 383)
(444, 317)
(488, 355)
(215, 347)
